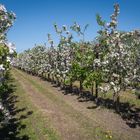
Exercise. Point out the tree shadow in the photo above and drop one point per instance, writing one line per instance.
(10, 130)
(128, 112)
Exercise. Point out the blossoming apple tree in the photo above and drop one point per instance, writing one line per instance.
(7, 51)
(119, 57)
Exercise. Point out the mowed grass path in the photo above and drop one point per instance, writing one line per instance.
(56, 116)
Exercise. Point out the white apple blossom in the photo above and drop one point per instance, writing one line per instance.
(2, 8)
(1, 107)
(2, 67)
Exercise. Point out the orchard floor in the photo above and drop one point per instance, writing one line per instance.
(65, 117)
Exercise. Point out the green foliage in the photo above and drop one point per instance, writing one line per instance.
(93, 77)
(99, 20)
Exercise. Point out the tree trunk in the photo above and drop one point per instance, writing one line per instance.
(116, 100)
(92, 89)
(53, 79)
(96, 94)
(49, 79)
(70, 89)
(96, 90)
(61, 83)
(64, 85)
(42, 74)
(81, 86)
(57, 81)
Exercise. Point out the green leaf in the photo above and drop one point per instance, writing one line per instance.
(99, 20)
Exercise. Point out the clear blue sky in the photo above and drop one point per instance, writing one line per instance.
(35, 18)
